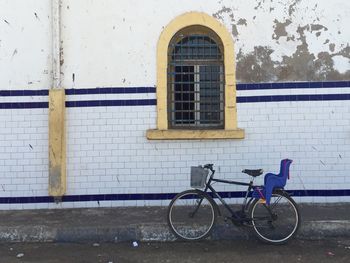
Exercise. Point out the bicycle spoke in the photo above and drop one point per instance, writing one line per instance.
(199, 219)
(276, 202)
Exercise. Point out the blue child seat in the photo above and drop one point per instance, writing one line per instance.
(272, 181)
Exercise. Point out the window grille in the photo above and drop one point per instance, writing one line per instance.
(195, 82)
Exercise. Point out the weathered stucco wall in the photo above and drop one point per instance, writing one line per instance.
(289, 40)
(113, 43)
(25, 44)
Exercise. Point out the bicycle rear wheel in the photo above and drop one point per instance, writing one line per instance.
(278, 222)
(192, 215)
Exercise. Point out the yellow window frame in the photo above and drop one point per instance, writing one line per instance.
(230, 131)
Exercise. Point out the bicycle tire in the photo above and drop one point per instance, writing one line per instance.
(192, 215)
(280, 227)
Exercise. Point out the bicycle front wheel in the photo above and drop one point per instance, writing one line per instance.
(278, 222)
(192, 215)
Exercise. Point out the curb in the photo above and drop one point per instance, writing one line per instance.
(324, 228)
(312, 230)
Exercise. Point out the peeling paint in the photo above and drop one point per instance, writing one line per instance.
(229, 14)
(291, 38)
(345, 52)
(259, 4)
(242, 21)
(223, 10)
(280, 29)
(256, 66)
(303, 62)
(317, 27)
(291, 8)
(234, 30)
(299, 65)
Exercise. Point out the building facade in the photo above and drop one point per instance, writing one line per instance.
(281, 72)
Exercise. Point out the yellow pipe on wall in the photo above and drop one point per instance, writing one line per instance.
(57, 143)
(57, 138)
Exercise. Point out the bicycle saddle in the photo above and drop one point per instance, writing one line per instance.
(253, 173)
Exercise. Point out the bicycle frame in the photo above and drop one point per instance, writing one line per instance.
(235, 215)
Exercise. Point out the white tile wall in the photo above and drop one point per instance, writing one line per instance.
(24, 153)
(107, 151)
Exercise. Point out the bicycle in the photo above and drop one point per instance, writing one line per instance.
(270, 210)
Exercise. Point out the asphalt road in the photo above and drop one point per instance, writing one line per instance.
(332, 250)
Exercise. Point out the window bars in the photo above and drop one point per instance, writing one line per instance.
(195, 83)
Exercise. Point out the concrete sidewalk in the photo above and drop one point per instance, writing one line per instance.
(147, 224)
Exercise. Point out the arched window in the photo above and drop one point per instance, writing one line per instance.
(196, 80)
(196, 86)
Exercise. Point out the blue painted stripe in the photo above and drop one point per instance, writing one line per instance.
(18, 93)
(293, 85)
(142, 102)
(156, 196)
(82, 104)
(153, 102)
(24, 105)
(106, 103)
(93, 91)
(128, 90)
(303, 97)
(111, 90)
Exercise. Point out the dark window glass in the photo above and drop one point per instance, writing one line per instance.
(195, 83)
